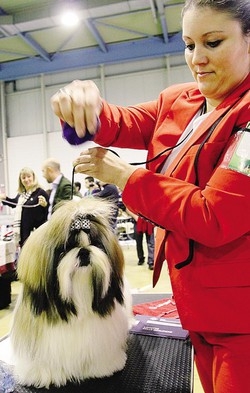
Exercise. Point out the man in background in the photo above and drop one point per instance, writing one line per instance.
(92, 187)
(61, 186)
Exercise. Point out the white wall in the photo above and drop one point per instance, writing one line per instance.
(34, 132)
(59, 149)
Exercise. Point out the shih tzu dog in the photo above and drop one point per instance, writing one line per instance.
(73, 314)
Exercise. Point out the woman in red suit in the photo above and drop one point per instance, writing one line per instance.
(196, 187)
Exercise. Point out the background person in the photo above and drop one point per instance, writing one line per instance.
(31, 205)
(91, 186)
(111, 193)
(143, 228)
(61, 186)
(196, 191)
(78, 186)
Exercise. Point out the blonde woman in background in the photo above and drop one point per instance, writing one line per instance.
(31, 204)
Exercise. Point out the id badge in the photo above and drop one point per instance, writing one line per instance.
(237, 156)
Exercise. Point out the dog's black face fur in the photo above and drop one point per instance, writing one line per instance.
(47, 299)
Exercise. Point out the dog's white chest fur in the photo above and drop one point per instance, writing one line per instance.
(72, 317)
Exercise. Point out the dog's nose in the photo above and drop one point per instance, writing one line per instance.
(84, 257)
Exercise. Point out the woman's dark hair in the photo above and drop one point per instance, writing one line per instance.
(237, 9)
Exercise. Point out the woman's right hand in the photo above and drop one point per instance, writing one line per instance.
(42, 201)
(2, 197)
(79, 104)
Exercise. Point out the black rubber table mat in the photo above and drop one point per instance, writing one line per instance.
(154, 365)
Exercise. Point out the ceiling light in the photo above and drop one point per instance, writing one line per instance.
(69, 18)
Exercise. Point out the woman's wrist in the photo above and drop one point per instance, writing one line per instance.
(124, 175)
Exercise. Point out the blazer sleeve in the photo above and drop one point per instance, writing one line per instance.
(11, 202)
(63, 191)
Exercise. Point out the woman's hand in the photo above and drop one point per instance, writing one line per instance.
(79, 104)
(42, 201)
(104, 165)
(2, 197)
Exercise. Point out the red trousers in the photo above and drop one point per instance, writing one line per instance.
(222, 361)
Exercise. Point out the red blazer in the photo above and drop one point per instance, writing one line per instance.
(198, 199)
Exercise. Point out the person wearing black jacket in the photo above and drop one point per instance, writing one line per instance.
(30, 203)
(111, 193)
(31, 209)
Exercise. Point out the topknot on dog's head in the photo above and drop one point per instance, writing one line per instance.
(70, 214)
(80, 223)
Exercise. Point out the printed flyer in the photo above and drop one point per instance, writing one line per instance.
(160, 327)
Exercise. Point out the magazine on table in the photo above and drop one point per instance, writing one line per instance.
(157, 326)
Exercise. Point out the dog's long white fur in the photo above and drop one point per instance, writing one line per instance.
(48, 349)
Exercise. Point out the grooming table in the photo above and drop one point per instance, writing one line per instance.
(154, 365)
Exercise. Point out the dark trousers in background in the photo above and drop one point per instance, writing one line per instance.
(150, 246)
